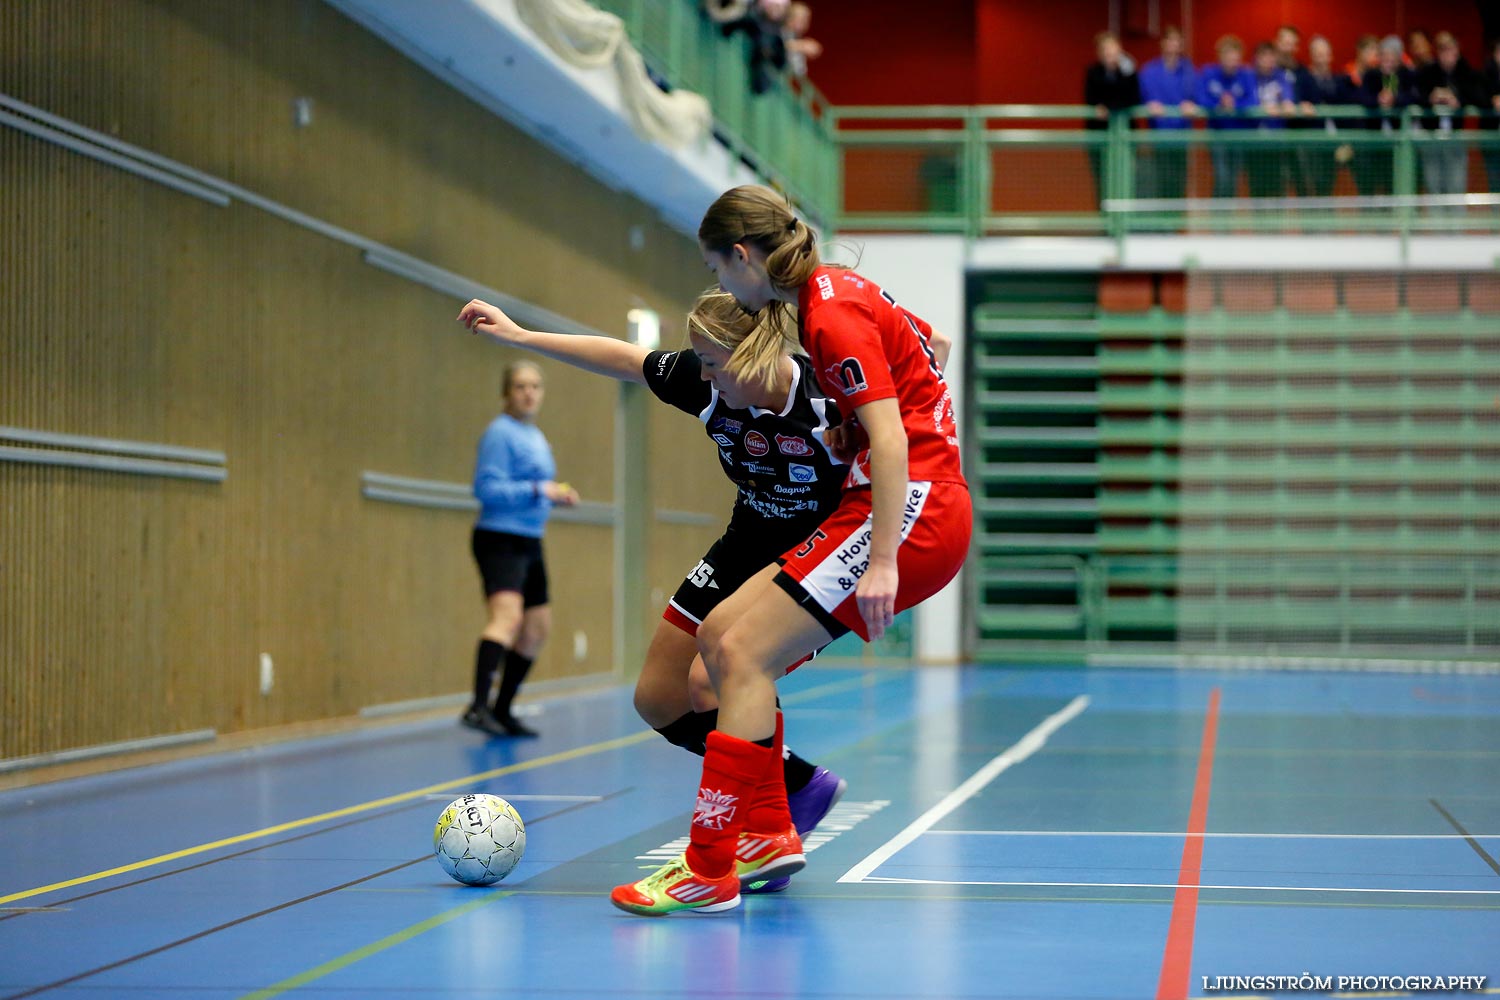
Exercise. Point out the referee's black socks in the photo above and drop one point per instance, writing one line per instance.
(486, 662)
(516, 669)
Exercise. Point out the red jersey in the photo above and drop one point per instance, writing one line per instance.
(864, 347)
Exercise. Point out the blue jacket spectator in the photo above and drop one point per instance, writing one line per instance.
(513, 464)
(1169, 83)
(1227, 88)
(1275, 90)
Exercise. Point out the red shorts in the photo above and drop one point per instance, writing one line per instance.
(821, 573)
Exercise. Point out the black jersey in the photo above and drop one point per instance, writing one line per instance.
(788, 479)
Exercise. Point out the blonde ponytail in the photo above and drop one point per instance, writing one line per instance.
(756, 343)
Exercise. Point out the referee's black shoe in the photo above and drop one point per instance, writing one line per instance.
(514, 726)
(483, 720)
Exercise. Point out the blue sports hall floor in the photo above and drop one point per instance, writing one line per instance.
(1008, 832)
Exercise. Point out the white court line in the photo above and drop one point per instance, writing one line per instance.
(1023, 748)
(885, 880)
(1180, 833)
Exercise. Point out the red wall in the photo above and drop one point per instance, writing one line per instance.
(876, 52)
(1035, 51)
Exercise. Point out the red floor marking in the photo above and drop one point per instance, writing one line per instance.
(1177, 960)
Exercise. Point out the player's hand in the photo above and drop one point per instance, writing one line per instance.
(876, 597)
(481, 317)
(846, 440)
(561, 494)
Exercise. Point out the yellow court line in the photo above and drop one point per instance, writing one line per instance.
(187, 852)
(374, 947)
(528, 765)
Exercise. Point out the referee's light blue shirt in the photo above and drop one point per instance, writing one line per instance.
(514, 460)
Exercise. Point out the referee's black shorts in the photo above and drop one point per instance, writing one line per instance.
(511, 562)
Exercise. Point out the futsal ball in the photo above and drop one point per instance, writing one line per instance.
(479, 839)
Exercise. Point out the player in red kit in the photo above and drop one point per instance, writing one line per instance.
(899, 535)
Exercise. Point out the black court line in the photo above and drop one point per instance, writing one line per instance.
(1478, 849)
(35, 990)
(60, 904)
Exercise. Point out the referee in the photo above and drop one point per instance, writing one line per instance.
(514, 484)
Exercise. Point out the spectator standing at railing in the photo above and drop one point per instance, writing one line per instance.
(1388, 90)
(1366, 56)
(1226, 90)
(1288, 47)
(1109, 88)
(1492, 105)
(1169, 88)
(1447, 84)
(763, 23)
(799, 47)
(1275, 95)
(1418, 48)
(1320, 84)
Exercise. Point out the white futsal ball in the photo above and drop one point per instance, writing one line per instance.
(479, 839)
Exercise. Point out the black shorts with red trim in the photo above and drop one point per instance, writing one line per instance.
(738, 555)
(822, 573)
(735, 557)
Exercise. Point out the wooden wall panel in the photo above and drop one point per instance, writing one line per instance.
(133, 606)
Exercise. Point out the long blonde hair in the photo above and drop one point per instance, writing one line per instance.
(761, 218)
(756, 343)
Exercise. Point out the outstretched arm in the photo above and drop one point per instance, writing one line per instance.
(600, 355)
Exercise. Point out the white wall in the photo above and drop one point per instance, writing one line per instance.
(926, 275)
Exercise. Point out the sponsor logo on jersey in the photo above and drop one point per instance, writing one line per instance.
(767, 506)
(825, 287)
(790, 444)
(756, 444)
(794, 490)
(801, 473)
(728, 425)
(942, 411)
(764, 470)
(722, 441)
(848, 375)
(663, 362)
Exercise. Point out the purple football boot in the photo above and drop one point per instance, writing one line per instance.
(808, 807)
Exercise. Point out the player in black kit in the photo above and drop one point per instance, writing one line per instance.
(776, 443)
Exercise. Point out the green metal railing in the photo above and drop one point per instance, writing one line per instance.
(783, 134)
(1338, 605)
(990, 169)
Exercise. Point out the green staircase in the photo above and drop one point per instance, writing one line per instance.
(1230, 479)
(1034, 445)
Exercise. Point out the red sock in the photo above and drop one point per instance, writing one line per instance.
(768, 811)
(732, 771)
